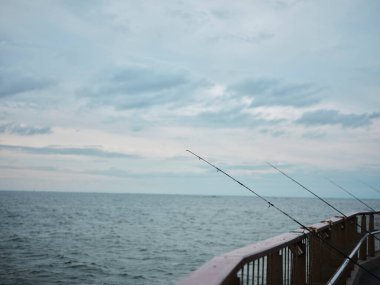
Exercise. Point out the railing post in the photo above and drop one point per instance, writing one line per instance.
(299, 264)
(351, 240)
(274, 269)
(371, 239)
(346, 246)
(328, 261)
(363, 248)
(356, 237)
(320, 256)
(233, 280)
(337, 240)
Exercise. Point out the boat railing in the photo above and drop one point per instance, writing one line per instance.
(298, 257)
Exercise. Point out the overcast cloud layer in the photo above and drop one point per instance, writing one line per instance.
(108, 95)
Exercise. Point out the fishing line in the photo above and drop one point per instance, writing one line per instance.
(270, 204)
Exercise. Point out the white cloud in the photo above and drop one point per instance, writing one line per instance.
(228, 79)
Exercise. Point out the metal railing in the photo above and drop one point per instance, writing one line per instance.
(293, 258)
(338, 277)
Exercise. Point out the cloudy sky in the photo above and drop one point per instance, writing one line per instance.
(107, 95)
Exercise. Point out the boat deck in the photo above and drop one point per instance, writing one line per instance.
(360, 277)
(367, 279)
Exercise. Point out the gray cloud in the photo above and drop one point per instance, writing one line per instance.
(334, 117)
(13, 84)
(56, 150)
(38, 168)
(113, 172)
(273, 132)
(24, 130)
(250, 39)
(224, 118)
(140, 80)
(281, 4)
(230, 118)
(270, 92)
(221, 14)
(139, 87)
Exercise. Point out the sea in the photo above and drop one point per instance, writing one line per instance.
(108, 238)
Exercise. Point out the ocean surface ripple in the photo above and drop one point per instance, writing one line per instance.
(93, 238)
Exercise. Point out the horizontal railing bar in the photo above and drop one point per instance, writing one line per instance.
(337, 219)
(353, 214)
(220, 268)
(344, 265)
(363, 213)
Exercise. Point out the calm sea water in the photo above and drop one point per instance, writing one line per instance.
(88, 238)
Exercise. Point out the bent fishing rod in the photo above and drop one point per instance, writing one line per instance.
(349, 193)
(317, 196)
(270, 204)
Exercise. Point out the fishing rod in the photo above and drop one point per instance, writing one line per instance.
(349, 193)
(307, 189)
(370, 186)
(270, 204)
(317, 196)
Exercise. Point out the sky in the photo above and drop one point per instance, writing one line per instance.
(106, 96)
